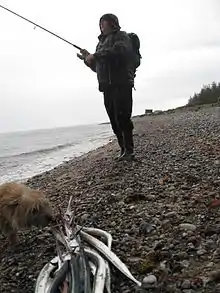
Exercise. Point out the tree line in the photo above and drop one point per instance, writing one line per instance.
(209, 94)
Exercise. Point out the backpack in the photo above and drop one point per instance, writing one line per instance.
(135, 41)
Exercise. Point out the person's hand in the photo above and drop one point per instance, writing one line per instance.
(84, 53)
(80, 56)
(89, 58)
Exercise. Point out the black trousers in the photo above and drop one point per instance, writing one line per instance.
(118, 103)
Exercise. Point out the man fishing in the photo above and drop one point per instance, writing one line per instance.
(113, 62)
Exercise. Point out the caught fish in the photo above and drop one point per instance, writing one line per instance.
(108, 238)
(108, 278)
(86, 270)
(82, 261)
(112, 257)
(99, 232)
(44, 279)
(92, 267)
(60, 277)
(99, 281)
(74, 277)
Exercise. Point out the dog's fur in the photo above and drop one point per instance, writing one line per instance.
(22, 207)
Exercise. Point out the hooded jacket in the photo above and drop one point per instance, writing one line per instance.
(113, 57)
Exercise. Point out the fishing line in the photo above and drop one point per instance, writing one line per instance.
(37, 25)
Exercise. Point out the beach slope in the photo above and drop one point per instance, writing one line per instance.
(157, 208)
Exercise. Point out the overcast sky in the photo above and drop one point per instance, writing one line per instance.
(43, 84)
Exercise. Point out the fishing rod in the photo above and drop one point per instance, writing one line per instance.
(77, 47)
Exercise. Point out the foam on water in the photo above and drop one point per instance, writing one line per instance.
(25, 154)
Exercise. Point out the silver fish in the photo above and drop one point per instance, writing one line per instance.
(108, 238)
(112, 257)
(99, 280)
(92, 267)
(108, 278)
(99, 232)
(74, 282)
(44, 281)
(87, 271)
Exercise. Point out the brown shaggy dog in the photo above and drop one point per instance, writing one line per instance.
(22, 207)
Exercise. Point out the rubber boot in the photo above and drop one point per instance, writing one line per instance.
(129, 146)
(120, 139)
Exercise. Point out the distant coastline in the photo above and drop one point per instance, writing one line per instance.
(104, 123)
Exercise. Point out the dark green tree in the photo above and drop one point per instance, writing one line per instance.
(209, 94)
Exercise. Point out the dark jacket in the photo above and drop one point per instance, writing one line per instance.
(113, 60)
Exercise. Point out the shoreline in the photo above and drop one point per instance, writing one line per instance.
(66, 162)
(143, 205)
(24, 166)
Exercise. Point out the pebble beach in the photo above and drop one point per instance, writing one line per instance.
(163, 209)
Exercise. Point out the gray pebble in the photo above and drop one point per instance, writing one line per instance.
(188, 226)
(201, 252)
(149, 281)
(186, 284)
(150, 197)
(170, 214)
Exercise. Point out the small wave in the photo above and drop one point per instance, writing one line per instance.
(40, 151)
